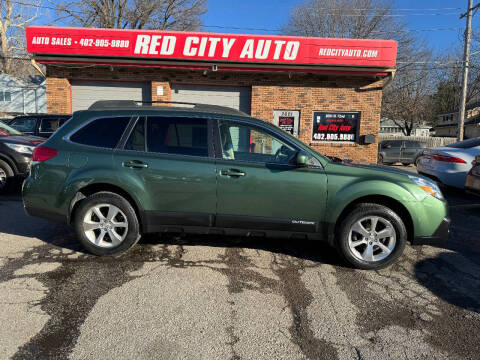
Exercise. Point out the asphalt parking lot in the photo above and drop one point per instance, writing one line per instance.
(198, 297)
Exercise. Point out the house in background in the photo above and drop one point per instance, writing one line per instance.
(447, 123)
(19, 96)
(388, 127)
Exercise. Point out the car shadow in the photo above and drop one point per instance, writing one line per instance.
(312, 250)
(15, 222)
(452, 278)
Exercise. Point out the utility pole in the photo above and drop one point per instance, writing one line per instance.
(466, 56)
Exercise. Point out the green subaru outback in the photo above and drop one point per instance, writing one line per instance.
(121, 169)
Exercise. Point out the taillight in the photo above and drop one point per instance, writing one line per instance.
(43, 153)
(451, 159)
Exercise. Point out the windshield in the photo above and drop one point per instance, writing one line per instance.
(24, 124)
(6, 130)
(466, 144)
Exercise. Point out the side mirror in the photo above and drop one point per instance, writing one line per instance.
(301, 159)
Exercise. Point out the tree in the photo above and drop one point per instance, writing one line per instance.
(446, 96)
(134, 14)
(408, 100)
(405, 98)
(14, 18)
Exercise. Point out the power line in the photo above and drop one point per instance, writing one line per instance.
(56, 8)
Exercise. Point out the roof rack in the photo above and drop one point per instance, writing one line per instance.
(129, 104)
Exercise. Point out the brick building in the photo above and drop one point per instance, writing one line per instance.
(312, 82)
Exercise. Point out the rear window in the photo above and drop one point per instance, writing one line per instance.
(466, 144)
(183, 136)
(105, 132)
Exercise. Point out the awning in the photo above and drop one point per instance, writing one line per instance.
(198, 50)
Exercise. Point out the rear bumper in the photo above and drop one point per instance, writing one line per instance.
(440, 236)
(32, 208)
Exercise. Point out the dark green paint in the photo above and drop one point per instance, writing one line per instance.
(192, 184)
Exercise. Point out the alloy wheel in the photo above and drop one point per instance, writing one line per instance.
(105, 225)
(372, 238)
(3, 178)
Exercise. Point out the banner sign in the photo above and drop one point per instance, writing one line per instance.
(338, 126)
(287, 120)
(197, 46)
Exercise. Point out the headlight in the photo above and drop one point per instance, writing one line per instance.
(23, 149)
(428, 186)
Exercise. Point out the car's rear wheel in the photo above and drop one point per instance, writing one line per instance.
(405, 164)
(6, 177)
(106, 224)
(371, 237)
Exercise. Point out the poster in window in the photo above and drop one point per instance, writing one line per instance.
(287, 120)
(336, 126)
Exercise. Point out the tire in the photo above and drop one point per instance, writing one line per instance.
(7, 177)
(387, 220)
(125, 235)
(406, 164)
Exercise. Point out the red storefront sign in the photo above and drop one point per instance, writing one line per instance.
(197, 46)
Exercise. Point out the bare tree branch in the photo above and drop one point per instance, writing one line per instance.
(134, 14)
(14, 17)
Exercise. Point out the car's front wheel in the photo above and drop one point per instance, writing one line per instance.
(106, 224)
(371, 237)
(6, 177)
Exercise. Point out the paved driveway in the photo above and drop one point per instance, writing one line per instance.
(234, 298)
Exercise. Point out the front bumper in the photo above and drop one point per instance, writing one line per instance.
(440, 236)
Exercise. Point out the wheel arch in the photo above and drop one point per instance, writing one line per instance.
(386, 201)
(10, 162)
(91, 189)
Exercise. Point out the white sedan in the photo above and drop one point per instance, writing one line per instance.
(449, 164)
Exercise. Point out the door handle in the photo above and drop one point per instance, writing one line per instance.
(135, 164)
(232, 172)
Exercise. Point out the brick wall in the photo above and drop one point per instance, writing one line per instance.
(304, 92)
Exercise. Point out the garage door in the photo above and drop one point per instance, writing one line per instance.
(236, 98)
(85, 93)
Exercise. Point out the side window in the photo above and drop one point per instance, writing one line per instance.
(247, 143)
(396, 144)
(136, 140)
(49, 125)
(182, 136)
(24, 124)
(105, 132)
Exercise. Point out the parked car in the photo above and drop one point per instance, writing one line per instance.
(472, 183)
(43, 125)
(450, 164)
(120, 169)
(15, 155)
(404, 151)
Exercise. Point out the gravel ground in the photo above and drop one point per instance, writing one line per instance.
(204, 297)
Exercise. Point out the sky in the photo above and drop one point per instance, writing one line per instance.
(226, 15)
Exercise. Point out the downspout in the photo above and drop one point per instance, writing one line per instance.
(390, 78)
(35, 65)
